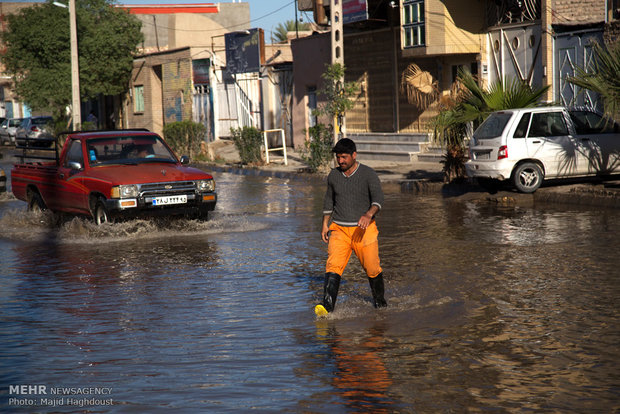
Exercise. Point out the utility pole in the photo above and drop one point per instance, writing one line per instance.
(75, 70)
(337, 37)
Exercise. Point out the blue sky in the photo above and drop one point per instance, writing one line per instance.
(265, 14)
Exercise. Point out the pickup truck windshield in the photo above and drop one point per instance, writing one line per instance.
(128, 150)
(493, 126)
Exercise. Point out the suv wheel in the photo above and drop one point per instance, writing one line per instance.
(527, 177)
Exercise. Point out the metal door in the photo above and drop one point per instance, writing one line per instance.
(574, 50)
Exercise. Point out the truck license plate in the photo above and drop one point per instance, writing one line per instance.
(165, 201)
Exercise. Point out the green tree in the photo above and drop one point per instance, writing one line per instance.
(38, 52)
(338, 94)
(603, 77)
(337, 100)
(279, 34)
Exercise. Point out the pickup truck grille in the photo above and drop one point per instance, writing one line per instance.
(158, 189)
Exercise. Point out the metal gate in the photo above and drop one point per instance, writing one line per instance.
(516, 54)
(574, 50)
(203, 109)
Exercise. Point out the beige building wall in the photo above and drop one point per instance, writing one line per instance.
(452, 27)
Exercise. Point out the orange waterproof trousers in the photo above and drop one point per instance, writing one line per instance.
(344, 240)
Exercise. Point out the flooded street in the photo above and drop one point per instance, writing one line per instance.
(489, 309)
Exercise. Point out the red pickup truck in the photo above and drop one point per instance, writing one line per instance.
(110, 174)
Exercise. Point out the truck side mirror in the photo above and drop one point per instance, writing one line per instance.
(184, 160)
(74, 165)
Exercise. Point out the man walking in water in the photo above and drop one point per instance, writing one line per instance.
(352, 200)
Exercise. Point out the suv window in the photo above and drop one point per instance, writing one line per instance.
(493, 126)
(521, 130)
(587, 122)
(548, 124)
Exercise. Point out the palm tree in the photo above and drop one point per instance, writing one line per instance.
(468, 106)
(603, 77)
(279, 34)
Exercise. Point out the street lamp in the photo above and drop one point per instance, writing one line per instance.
(75, 70)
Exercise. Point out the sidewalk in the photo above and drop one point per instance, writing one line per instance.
(427, 178)
(227, 158)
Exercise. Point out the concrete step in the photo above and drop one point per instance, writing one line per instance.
(396, 156)
(390, 146)
(431, 154)
(385, 146)
(388, 136)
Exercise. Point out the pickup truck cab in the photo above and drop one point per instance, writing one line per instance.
(527, 146)
(109, 174)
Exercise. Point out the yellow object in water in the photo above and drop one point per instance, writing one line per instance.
(320, 310)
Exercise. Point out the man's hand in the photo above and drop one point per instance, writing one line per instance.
(325, 229)
(364, 221)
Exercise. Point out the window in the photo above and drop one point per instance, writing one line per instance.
(521, 130)
(493, 126)
(138, 98)
(548, 124)
(592, 123)
(74, 154)
(413, 23)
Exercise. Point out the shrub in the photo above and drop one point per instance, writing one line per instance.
(185, 137)
(454, 163)
(249, 142)
(318, 149)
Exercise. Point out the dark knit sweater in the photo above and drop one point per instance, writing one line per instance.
(349, 198)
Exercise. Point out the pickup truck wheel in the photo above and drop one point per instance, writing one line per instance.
(35, 202)
(101, 213)
(527, 177)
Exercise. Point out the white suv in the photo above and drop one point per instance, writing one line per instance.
(529, 145)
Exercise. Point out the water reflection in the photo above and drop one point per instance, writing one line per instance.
(360, 375)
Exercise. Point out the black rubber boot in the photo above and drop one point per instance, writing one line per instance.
(330, 290)
(376, 286)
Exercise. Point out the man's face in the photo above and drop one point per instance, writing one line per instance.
(346, 161)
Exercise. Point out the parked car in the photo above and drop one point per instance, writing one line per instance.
(36, 127)
(8, 129)
(527, 146)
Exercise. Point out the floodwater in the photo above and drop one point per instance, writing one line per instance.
(489, 310)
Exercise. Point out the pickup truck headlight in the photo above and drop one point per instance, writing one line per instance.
(205, 185)
(125, 191)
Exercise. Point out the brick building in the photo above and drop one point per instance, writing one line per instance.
(538, 41)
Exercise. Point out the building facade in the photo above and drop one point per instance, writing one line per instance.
(405, 55)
